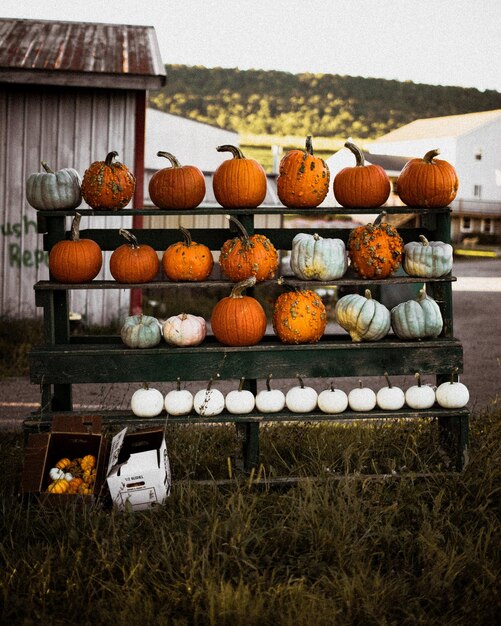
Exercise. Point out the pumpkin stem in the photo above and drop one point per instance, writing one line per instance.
(316, 237)
(187, 236)
(243, 232)
(360, 385)
(422, 294)
(268, 379)
(239, 288)
(209, 384)
(332, 385)
(109, 158)
(300, 381)
(75, 227)
(388, 380)
(235, 151)
(368, 294)
(129, 237)
(178, 384)
(146, 386)
(429, 156)
(418, 378)
(379, 218)
(454, 374)
(359, 155)
(423, 240)
(309, 145)
(241, 385)
(46, 167)
(173, 161)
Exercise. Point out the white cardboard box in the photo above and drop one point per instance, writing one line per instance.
(138, 474)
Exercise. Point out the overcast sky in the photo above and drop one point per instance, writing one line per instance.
(446, 42)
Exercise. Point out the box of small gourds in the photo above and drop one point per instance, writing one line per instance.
(69, 461)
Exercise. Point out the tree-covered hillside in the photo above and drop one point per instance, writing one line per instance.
(329, 105)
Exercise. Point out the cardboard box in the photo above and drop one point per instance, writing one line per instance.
(71, 436)
(138, 473)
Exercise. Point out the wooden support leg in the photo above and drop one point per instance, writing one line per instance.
(248, 433)
(453, 438)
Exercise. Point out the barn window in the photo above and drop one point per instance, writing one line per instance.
(477, 191)
(487, 226)
(466, 225)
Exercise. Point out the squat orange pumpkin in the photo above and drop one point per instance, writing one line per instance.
(239, 182)
(132, 262)
(176, 187)
(187, 260)
(299, 317)
(108, 185)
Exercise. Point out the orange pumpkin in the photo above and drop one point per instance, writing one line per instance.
(239, 182)
(427, 182)
(303, 179)
(176, 187)
(132, 262)
(239, 320)
(245, 256)
(376, 249)
(299, 317)
(366, 186)
(75, 260)
(108, 185)
(187, 260)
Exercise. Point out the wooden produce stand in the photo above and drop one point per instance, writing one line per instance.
(65, 360)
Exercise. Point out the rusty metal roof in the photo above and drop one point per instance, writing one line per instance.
(83, 54)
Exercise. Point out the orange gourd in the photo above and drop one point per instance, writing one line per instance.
(299, 317)
(245, 256)
(239, 320)
(176, 187)
(303, 179)
(376, 249)
(75, 260)
(239, 182)
(427, 182)
(133, 262)
(88, 462)
(59, 486)
(108, 185)
(63, 464)
(366, 186)
(187, 260)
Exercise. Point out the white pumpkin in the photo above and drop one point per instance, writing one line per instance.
(68, 476)
(184, 330)
(208, 402)
(361, 398)
(420, 396)
(332, 400)
(270, 400)
(390, 398)
(301, 399)
(417, 319)
(147, 402)
(56, 474)
(452, 395)
(240, 401)
(315, 258)
(51, 190)
(429, 259)
(179, 401)
(364, 318)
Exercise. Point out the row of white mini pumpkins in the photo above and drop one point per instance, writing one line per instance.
(207, 402)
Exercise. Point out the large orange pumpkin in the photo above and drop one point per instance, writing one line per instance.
(239, 182)
(187, 260)
(75, 260)
(239, 320)
(132, 262)
(376, 249)
(366, 186)
(299, 317)
(303, 179)
(108, 185)
(176, 187)
(427, 182)
(245, 256)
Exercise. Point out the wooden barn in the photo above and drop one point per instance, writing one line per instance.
(70, 93)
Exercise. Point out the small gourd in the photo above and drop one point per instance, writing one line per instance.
(390, 398)
(179, 401)
(209, 401)
(361, 398)
(316, 258)
(240, 401)
(147, 402)
(55, 473)
(427, 259)
(63, 463)
(270, 400)
(141, 331)
(51, 190)
(332, 400)
(59, 486)
(301, 399)
(417, 319)
(420, 396)
(88, 462)
(363, 317)
(452, 394)
(184, 330)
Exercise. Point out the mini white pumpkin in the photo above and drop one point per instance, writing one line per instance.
(417, 319)
(179, 401)
(429, 259)
(452, 395)
(51, 190)
(420, 396)
(68, 476)
(361, 398)
(208, 402)
(364, 318)
(270, 400)
(184, 330)
(147, 402)
(240, 401)
(56, 474)
(301, 399)
(390, 398)
(315, 258)
(332, 400)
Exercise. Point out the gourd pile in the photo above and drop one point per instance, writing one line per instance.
(73, 476)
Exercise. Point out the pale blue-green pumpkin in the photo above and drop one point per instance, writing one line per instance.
(141, 331)
(364, 318)
(417, 319)
(51, 190)
(316, 258)
(427, 259)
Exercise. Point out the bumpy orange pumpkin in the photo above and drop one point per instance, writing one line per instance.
(303, 179)
(132, 262)
(239, 182)
(366, 186)
(108, 185)
(427, 182)
(176, 187)
(299, 317)
(239, 320)
(376, 249)
(75, 260)
(187, 260)
(245, 256)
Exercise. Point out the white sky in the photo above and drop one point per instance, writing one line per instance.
(446, 42)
